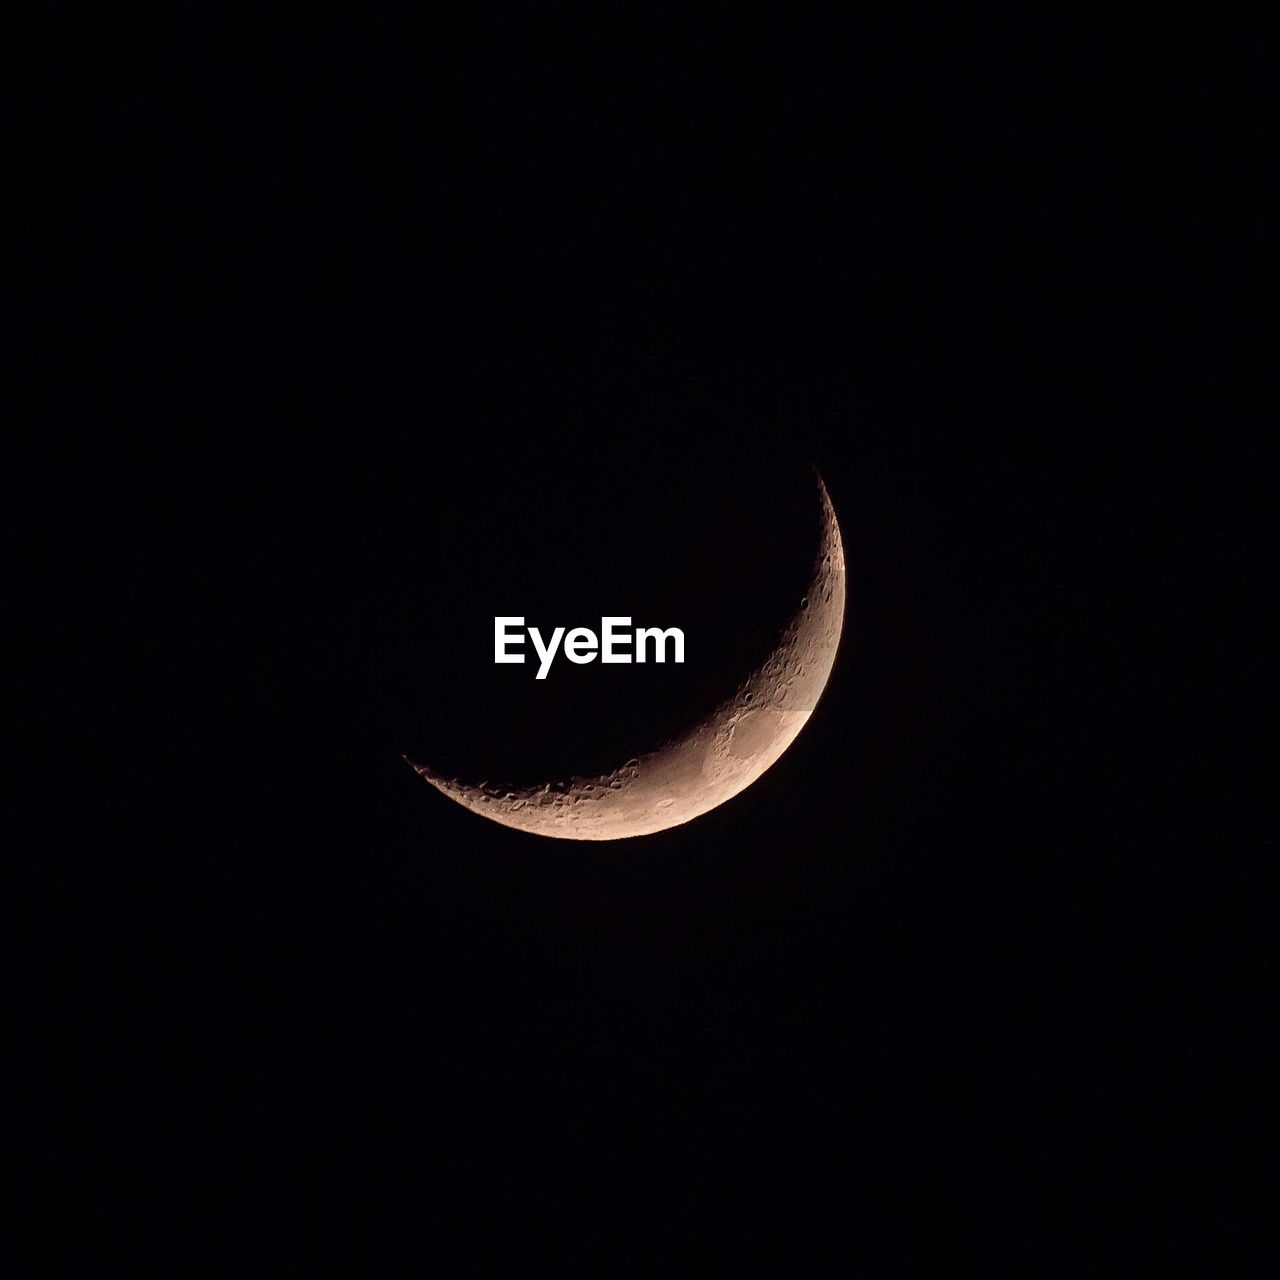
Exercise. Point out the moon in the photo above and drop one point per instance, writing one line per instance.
(710, 763)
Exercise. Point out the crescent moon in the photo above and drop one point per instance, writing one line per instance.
(709, 764)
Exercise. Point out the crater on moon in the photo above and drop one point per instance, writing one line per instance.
(753, 730)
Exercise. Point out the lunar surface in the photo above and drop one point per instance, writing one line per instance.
(710, 763)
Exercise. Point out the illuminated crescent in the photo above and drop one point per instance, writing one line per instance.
(710, 763)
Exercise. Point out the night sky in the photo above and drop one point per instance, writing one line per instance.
(350, 336)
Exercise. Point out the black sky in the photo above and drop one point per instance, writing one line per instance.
(352, 335)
